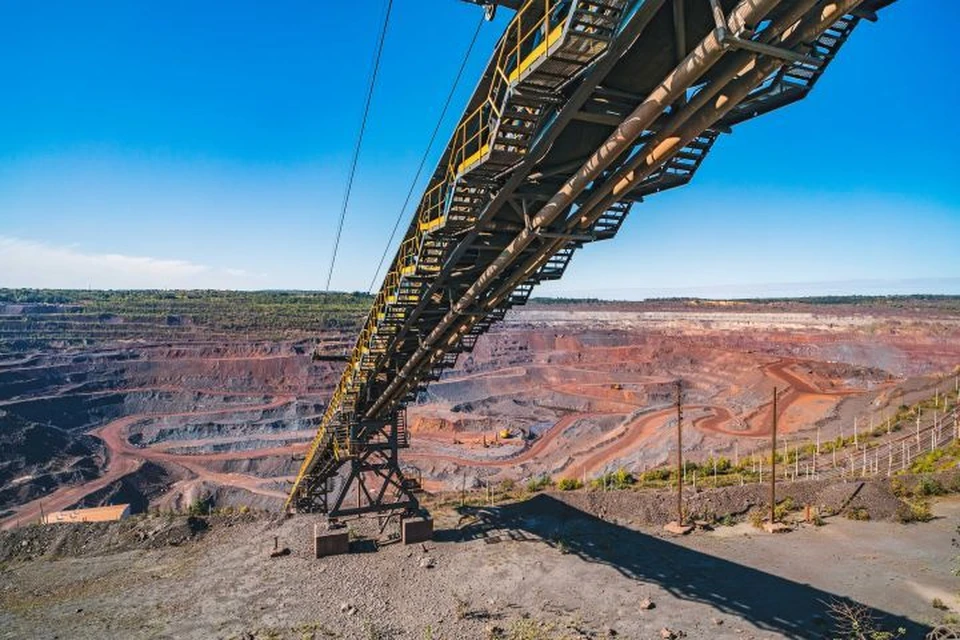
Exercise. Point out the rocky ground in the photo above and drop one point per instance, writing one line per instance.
(555, 565)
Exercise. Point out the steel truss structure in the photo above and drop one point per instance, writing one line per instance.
(586, 108)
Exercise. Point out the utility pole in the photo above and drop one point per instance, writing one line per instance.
(773, 461)
(680, 452)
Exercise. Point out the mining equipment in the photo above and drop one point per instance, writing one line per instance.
(585, 109)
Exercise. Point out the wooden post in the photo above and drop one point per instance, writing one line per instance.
(786, 460)
(680, 452)
(818, 440)
(773, 461)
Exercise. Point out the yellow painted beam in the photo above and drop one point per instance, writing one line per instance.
(539, 51)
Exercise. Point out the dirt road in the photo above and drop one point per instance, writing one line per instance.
(124, 458)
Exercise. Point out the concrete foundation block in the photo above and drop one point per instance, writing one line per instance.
(416, 530)
(776, 527)
(677, 529)
(330, 542)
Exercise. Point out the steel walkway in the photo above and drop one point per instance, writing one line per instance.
(585, 108)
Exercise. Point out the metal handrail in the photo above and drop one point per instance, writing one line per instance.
(472, 134)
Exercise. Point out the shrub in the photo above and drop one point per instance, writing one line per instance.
(939, 604)
(199, 507)
(929, 487)
(756, 518)
(857, 513)
(918, 511)
(622, 478)
(898, 488)
(569, 484)
(855, 622)
(723, 465)
(619, 479)
(657, 475)
(783, 507)
(539, 483)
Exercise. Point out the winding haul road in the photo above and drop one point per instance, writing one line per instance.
(124, 458)
(586, 456)
(591, 456)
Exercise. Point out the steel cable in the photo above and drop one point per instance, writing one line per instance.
(356, 150)
(426, 154)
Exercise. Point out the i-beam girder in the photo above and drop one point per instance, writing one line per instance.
(736, 72)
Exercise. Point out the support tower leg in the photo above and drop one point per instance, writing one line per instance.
(374, 482)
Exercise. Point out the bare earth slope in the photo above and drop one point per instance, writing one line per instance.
(595, 385)
(217, 401)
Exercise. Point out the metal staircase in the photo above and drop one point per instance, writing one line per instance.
(793, 82)
(445, 288)
(546, 46)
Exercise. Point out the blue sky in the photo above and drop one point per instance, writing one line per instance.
(185, 144)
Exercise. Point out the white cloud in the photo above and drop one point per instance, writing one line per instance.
(27, 263)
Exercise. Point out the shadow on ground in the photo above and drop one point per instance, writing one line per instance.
(770, 602)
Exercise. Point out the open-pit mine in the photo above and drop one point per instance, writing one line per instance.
(102, 402)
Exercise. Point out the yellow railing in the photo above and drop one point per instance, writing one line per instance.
(536, 27)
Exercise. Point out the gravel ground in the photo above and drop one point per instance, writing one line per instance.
(538, 569)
